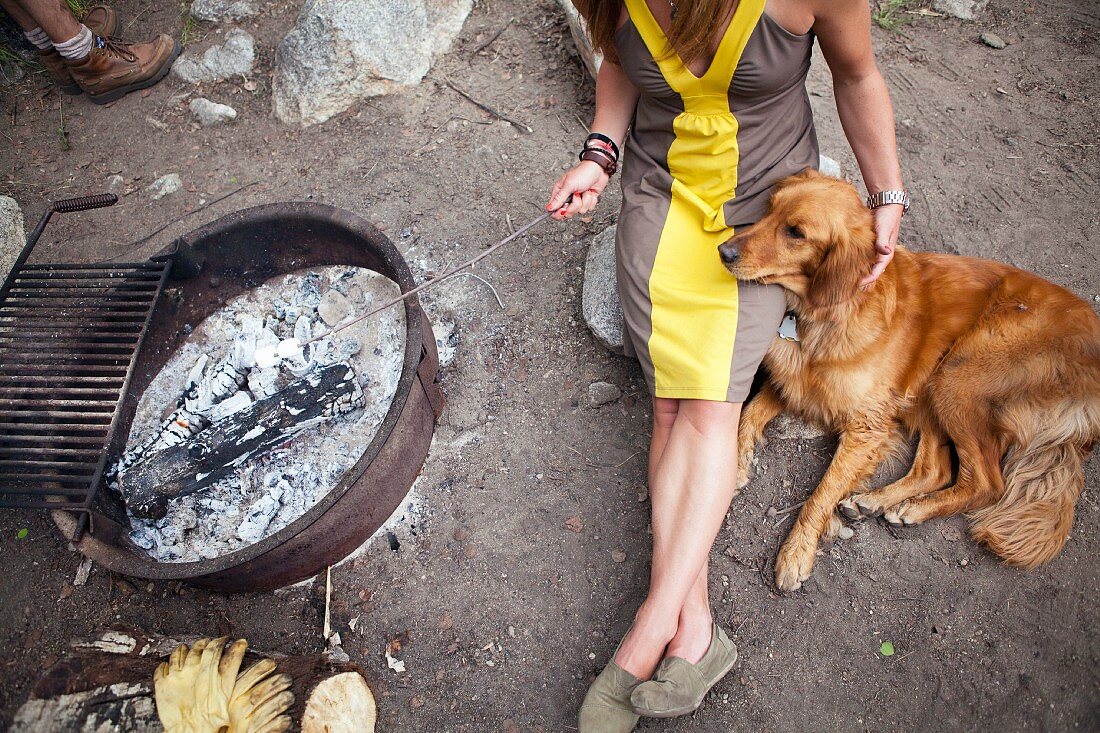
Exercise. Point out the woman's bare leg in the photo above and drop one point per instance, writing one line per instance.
(693, 479)
(693, 628)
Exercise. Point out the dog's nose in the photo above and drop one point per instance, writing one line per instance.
(729, 253)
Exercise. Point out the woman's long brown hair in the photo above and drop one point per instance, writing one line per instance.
(690, 35)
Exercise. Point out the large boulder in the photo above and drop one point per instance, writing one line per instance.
(343, 51)
(600, 296)
(592, 59)
(12, 236)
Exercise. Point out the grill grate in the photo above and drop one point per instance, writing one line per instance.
(69, 338)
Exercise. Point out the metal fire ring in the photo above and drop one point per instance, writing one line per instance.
(211, 266)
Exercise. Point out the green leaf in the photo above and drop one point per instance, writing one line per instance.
(22, 534)
(887, 649)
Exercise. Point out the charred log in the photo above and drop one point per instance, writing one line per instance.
(148, 485)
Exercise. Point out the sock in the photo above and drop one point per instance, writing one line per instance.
(76, 47)
(39, 38)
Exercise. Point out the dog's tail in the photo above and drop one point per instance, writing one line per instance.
(1043, 477)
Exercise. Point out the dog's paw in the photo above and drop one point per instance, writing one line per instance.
(793, 567)
(848, 508)
(859, 506)
(904, 514)
(838, 530)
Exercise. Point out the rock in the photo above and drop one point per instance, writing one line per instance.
(828, 166)
(600, 297)
(12, 236)
(167, 184)
(965, 9)
(333, 308)
(343, 51)
(11, 73)
(211, 113)
(235, 56)
(116, 184)
(993, 40)
(591, 58)
(603, 393)
(219, 10)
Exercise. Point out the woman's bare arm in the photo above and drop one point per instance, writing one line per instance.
(616, 98)
(843, 28)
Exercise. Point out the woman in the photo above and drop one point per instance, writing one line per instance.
(713, 92)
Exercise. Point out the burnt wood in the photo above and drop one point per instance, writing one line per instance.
(215, 452)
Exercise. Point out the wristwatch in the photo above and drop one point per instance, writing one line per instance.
(882, 198)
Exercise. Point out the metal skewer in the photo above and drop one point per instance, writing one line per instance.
(423, 286)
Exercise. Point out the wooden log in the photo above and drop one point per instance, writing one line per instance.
(148, 486)
(106, 683)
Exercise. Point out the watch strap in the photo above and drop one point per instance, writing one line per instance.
(882, 198)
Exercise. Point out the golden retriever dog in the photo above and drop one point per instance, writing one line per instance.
(997, 369)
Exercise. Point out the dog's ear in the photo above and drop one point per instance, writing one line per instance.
(836, 279)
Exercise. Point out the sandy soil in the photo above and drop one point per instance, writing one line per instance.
(504, 614)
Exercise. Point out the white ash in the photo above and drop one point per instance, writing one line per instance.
(441, 302)
(269, 492)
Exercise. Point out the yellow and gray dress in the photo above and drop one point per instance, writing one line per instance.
(700, 160)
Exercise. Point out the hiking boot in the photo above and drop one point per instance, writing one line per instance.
(114, 68)
(101, 21)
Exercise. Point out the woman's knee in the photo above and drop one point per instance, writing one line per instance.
(665, 411)
(708, 416)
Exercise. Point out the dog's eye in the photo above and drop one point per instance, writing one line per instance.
(795, 233)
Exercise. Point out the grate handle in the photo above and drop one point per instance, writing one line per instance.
(65, 206)
(85, 203)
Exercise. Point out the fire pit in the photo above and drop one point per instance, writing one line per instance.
(211, 266)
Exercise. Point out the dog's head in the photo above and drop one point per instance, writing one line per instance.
(817, 240)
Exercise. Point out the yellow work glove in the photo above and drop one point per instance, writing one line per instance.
(193, 687)
(260, 700)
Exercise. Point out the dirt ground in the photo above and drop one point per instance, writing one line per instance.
(505, 615)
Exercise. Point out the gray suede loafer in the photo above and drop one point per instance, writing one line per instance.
(606, 707)
(678, 686)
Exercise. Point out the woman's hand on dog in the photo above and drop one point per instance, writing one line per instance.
(887, 224)
(585, 182)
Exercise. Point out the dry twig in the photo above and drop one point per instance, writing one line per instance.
(492, 38)
(486, 108)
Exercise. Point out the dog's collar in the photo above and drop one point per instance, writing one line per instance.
(788, 329)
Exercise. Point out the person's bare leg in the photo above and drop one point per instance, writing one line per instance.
(693, 629)
(693, 482)
(60, 24)
(21, 17)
